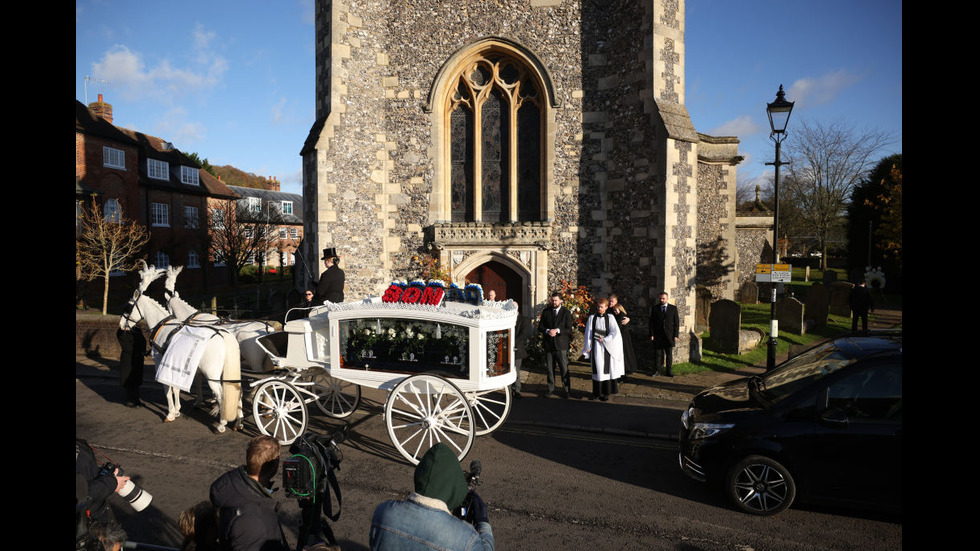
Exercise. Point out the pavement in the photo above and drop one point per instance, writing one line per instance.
(646, 406)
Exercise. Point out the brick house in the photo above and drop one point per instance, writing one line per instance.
(152, 182)
(286, 213)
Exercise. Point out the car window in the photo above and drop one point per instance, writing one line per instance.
(871, 394)
(803, 370)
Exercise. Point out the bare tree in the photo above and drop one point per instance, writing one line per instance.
(826, 162)
(107, 243)
(238, 234)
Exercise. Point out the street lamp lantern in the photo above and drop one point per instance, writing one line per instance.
(778, 112)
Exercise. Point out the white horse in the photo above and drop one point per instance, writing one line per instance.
(220, 363)
(246, 332)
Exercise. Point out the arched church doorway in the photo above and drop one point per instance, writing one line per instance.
(498, 277)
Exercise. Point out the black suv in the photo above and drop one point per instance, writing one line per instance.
(824, 426)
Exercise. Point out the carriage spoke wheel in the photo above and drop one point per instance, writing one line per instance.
(335, 397)
(424, 410)
(490, 408)
(279, 411)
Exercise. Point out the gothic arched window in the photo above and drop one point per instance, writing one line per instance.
(495, 117)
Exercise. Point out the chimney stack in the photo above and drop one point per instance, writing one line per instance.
(102, 109)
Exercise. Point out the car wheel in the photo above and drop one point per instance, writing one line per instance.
(760, 486)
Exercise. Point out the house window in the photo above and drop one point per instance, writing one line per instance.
(190, 176)
(293, 233)
(254, 205)
(191, 221)
(110, 210)
(114, 158)
(287, 207)
(282, 233)
(193, 259)
(247, 232)
(161, 259)
(494, 143)
(160, 214)
(217, 219)
(159, 170)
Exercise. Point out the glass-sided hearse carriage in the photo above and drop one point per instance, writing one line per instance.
(446, 367)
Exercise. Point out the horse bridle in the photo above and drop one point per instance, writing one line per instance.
(134, 304)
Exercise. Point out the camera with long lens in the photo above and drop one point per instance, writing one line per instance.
(465, 511)
(137, 497)
(308, 475)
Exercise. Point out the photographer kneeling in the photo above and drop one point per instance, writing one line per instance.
(424, 520)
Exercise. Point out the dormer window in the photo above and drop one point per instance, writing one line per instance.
(254, 205)
(159, 170)
(190, 176)
(287, 207)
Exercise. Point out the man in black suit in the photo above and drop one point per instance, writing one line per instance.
(664, 326)
(331, 284)
(555, 326)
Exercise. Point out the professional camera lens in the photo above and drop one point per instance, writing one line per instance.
(137, 497)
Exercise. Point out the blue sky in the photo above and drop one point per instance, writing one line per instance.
(234, 81)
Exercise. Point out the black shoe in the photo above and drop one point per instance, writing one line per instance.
(548, 394)
(135, 404)
(517, 395)
(603, 398)
(568, 394)
(670, 375)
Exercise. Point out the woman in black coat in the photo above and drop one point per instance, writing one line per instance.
(629, 358)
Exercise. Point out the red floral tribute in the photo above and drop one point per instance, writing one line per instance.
(431, 294)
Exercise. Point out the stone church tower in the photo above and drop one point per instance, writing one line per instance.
(523, 143)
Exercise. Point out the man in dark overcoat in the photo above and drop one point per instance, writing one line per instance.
(555, 327)
(664, 330)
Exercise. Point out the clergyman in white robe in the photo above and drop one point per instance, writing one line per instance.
(604, 346)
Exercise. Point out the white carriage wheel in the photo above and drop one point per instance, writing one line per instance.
(335, 397)
(490, 408)
(279, 411)
(423, 410)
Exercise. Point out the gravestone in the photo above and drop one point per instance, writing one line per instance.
(829, 276)
(749, 293)
(789, 312)
(817, 304)
(695, 352)
(806, 273)
(725, 322)
(702, 309)
(749, 339)
(840, 291)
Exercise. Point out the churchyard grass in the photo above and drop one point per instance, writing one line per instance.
(757, 316)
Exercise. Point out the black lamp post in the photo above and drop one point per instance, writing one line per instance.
(778, 112)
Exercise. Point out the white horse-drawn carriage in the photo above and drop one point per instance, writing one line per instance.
(445, 364)
(446, 368)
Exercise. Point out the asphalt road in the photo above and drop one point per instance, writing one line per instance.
(569, 474)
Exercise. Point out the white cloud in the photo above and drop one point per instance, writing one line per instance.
(741, 126)
(127, 71)
(811, 91)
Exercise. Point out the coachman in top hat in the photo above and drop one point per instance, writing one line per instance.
(331, 284)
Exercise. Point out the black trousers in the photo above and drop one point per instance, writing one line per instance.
(561, 357)
(133, 344)
(663, 357)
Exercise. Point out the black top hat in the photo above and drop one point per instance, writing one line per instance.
(329, 252)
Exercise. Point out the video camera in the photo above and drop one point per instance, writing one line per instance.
(465, 511)
(308, 476)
